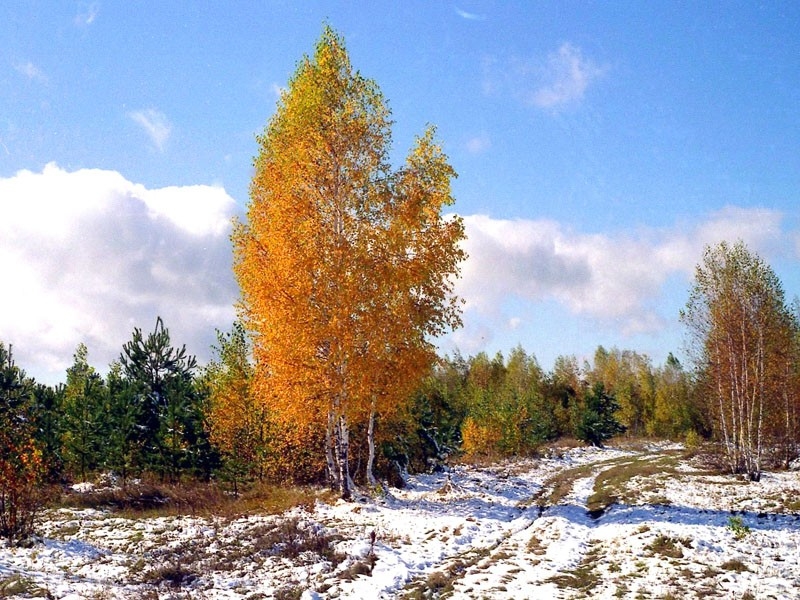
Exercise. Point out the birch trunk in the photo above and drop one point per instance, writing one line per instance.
(330, 458)
(371, 481)
(343, 443)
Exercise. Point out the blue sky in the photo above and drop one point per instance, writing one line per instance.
(599, 146)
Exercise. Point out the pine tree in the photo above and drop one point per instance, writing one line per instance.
(596, 422)
(84, 401)
(49, 422)
(162, 376)
(124, 442)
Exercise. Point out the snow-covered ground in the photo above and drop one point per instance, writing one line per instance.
(504, 531)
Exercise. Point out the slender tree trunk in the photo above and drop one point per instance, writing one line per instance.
(371, 446)
(728, 429)
(761, 387)
(343, 443)
(330, 458)
(787, 428)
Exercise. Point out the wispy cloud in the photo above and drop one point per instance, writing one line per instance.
(468, 15)
(558, 81)
(479, 144)
(92, 255)
(567, 76)
(31, 71)
(155, 124)
(87, 14)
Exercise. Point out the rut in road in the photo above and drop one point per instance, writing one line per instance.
(549, 541)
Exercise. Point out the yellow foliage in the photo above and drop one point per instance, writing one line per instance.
(479, 439)
(345, 268)
(693, 439)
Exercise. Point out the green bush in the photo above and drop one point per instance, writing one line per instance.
(738, 528)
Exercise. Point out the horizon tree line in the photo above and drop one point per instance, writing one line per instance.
(157, 412)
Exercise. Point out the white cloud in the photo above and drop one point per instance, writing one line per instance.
(468, 15)
(610, 279)
(87, 15)
(558, 81)
(88, 256)
(567, 75)
(155, 125)
(31, 71)
(479, 144)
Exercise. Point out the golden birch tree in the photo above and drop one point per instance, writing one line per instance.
(345, 266)
(743, 334)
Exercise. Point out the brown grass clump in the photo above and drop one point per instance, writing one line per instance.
(144, 498)
(149, 499)
(15, 586)
(172, 574)
(668, 546)
(735, 565)
(584, 577)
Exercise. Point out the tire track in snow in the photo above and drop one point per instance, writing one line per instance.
(524, 563)
(513, 565)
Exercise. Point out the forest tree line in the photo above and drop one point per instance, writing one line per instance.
(157, 413)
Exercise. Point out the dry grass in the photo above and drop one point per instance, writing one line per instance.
(560, 485)
(735, 565)
(559, 445)
(668, 546)
(793, 504)
(16, 586)
(611, 485)
(291, 592)
(435, 585)
(172, 574)
(439, 584)
(584, 577)
(288, 538)
(536, 547)
(150, 500)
